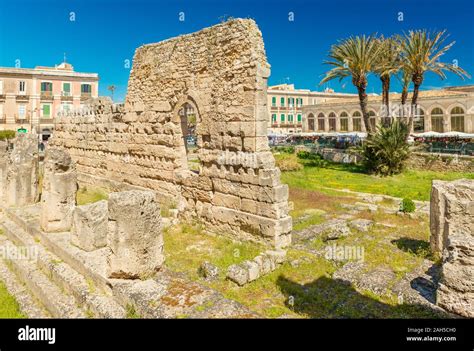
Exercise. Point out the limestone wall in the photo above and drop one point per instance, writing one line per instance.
(222, 73)
(441, 162)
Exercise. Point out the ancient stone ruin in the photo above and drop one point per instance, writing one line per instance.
(452, 237)
(3, 169)
(90, 225)
(220, 72)
(20, 175)
(134, 235)
(58, 197)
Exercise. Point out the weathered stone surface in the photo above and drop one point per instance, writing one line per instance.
(21, 180)
(337, 230)
(89, 226)
(208, 271)
(361, 224)
(452, 236)
(451, 211)
(3, 169)
(221, 72)
(58, 197)
(238, 274)
(251, 270)
(134, 235)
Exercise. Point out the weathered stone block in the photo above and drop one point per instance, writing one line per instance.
(89, 226)
(21, 180)
(452, 236)
(238, 274)
(58, 198)
(134, 235)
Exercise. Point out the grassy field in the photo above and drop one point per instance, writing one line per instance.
(413, 184)
(303, 286)
(8, 306)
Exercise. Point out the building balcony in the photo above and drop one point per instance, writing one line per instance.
(22, 97)
(46, 95)
(21, 120)
(2, 96)
(66, 96)
(46, 120)
(85, 96)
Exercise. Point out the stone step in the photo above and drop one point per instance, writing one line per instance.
(87, 264)
(97, 302)
(29, 305)
(56, 301)
(166, 295)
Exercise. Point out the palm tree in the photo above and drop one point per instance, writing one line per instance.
(421, 52)
(354, 57)
(387, 63)
(111, 88)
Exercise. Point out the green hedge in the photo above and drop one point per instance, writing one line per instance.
(7, 134)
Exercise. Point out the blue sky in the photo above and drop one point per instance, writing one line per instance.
(105, 33)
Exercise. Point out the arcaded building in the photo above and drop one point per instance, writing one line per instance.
(285, 106)
(444, 110)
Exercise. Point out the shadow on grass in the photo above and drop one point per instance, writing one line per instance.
(335, 298)
(416, 247)
(343, 167)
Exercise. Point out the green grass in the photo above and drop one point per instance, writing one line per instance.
(186, 247)
(413, 184)
(307, 290)
(88, 195)
(9, 308)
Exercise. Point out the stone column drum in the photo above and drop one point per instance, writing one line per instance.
(134, 235)
(22, 171)
(3, 169)
(58, 197)
(452, 237)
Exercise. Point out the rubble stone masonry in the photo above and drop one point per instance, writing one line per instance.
(222, 73)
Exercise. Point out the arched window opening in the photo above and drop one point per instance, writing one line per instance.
(437, 120)
(311, 122)
(457, 119)
(419, 121)
(321, 122)
(357, 121)
(332, 122)
(344, 121)
(372, 120)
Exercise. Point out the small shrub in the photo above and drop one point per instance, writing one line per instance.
(7, 134)
(284, 149)
(407, 206)
(288, 164)
(312, 159)
(304, 155)
(385, 152)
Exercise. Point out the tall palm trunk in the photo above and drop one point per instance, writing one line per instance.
(385, 98)
(417, 80)
(363, 100)
(404, 99)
